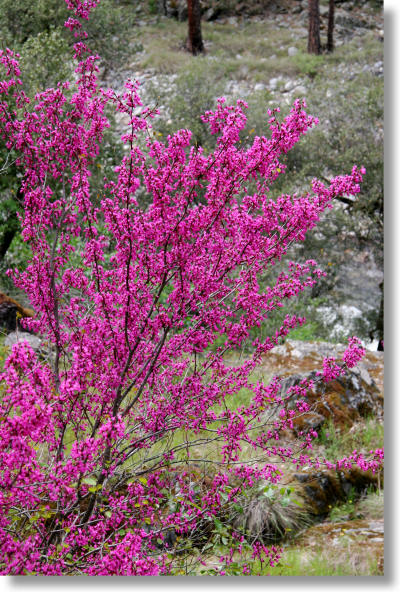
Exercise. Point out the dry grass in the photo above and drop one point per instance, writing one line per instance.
(344, 559)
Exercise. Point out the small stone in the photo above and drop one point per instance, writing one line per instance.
(292, 51)
(211, 14)
(323, 10)
(300, 90)
(259, 87)
(273, 83)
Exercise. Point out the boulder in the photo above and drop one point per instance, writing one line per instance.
(346, 19)
(302, 357)
(344, 400)
(41, 347)
(322, 490)
(19, 336)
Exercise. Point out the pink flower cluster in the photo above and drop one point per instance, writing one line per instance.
(100, 446)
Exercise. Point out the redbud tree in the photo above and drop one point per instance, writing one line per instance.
(101, 441)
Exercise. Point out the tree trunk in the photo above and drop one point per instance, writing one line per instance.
(331, 24)
(314, 42)
(162, 7)
(195, 40)
(6, 239)
(10, 225)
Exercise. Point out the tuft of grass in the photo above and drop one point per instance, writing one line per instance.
(369, 507)
(308, 65)
(307, 332)
(340, 560)
(372, 505)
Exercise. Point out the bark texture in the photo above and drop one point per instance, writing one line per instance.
(314, 41)
(331, 24)
(195, 41)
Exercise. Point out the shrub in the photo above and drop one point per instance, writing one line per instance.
(97, 447)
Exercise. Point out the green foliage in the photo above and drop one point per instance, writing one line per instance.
(3, 352)
(308, 64)
(35, 29)
(44, 61)
(21, 19)
(40, 26)
(153, 6)
(359, 101)
(345, 511)
(366, 435)
(17, 255)
(307, 332)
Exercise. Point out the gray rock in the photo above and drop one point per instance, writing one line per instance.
(292, 51)
(347, 398)
(323, 10)
(378, 68)
(348, 21)
(211, 13)
(232, 20)
(21, 336)
(300, 90)
(259, 87)
(273, 83)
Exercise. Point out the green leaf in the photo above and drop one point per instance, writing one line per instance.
(89, 481)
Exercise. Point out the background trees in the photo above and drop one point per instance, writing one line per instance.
(331, 24)
(314, 42)
(195, 41)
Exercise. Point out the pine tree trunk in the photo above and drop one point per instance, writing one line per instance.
(195, 40)
(331, 24)
(314, 42)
